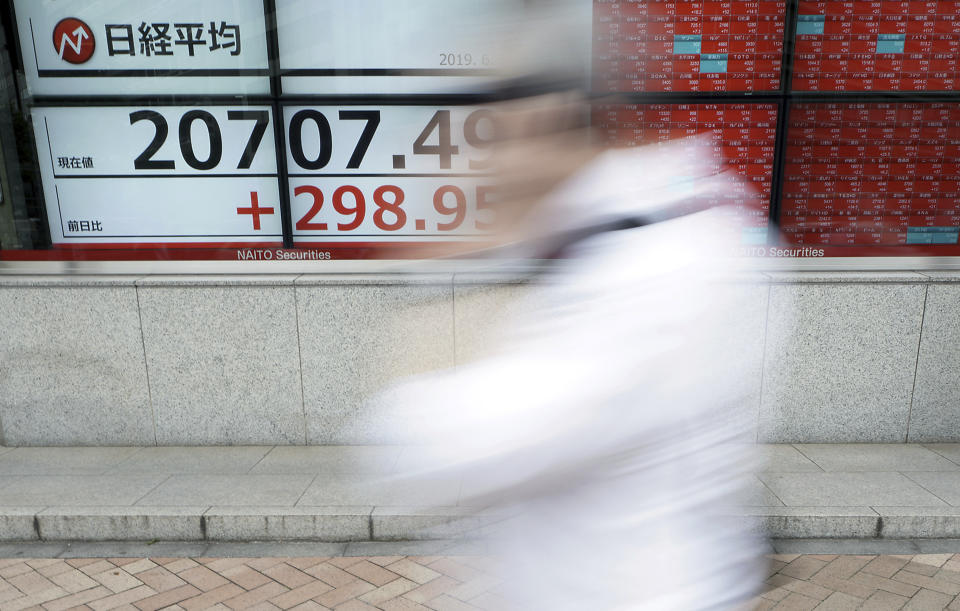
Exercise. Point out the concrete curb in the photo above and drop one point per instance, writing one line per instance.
(340, 524)
(359, 524)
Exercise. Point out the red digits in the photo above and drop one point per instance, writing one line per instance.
(305, 224)
(460, 209)
(357, 210)
(385, 206)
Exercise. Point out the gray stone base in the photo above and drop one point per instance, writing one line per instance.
(386, 524)
(240, 524)
(833, 357)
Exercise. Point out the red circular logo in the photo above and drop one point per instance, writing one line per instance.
(73, 40)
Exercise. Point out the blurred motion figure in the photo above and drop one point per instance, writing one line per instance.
(610, 425)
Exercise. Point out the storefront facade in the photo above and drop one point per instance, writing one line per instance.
(206, 207)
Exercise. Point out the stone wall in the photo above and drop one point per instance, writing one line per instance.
(291, 359)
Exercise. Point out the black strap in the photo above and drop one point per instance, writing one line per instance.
(561, 244)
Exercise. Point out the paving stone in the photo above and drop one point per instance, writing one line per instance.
(845, 586)
(58, 567)
(937, 560)
(31, 582)
(330, 459)
(950, 451)
(138, 566)
(79, 490)
(925, 600)
(256, 595)
(116, 580)
(338, 596)
(456, 569)
(345, 561)
(920, 569)
(301, 594)
(356, 605)
(179, 565)
(783, 458)
(775, 593)
(62, 460)
(122, 598)
(202, 578)
(193, 459)
(413, 571)
(402, 604)
(96, 567)
(493, 602)
(882, 583)
(372, 573)
(308, 606)
(883, 601)
(854, 489)
(160, 579)
(448, 603)
(261, 564)
(237, 490)
(287, 575)
(853, 457)
(212, 597)
(843, 567)
(387, 591)
(431, 590)
(803, 567)
(948, 575)
(165, 599)
(245, 577)
(840, 602)
(78, 598)
(10, 594)
(939, 585)
(885, 566)
(331, 574)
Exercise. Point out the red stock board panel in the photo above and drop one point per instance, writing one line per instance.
(873, 175)
(742, 136)
(877, 46)
(688, 45)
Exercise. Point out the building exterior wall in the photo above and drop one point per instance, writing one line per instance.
(294, 359)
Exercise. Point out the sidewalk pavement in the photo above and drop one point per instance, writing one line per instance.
(339, 494)
(430, 583)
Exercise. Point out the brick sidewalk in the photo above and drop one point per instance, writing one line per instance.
(394, 583)
(439, 583)
(925, 581)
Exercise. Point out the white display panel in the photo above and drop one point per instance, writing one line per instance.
(118, 47)
(383, 46)
(348, 165)
(159, 174)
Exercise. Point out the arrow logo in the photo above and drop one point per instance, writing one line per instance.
(80, 33)
(73, 40)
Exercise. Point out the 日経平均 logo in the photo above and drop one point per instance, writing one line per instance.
(73, 40)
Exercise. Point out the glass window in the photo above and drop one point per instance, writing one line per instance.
(350, 129)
